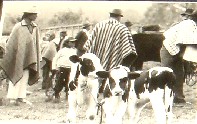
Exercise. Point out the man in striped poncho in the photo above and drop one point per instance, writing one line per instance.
(112, 42)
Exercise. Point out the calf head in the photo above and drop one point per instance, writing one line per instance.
(117, 83)
(86, 64)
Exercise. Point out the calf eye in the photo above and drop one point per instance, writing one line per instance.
(123, 82)
(125, 79)
(112, 83)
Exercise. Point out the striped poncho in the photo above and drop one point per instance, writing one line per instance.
(111, 41)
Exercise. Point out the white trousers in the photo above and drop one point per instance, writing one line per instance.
(18, 90)
(190, 54)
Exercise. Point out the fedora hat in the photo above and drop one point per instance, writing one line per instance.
(194, 14)
(32, 10)
(128, 23)
(63, 32)
(85, 25)
(151, 28)
(117, 12)
(188, 11)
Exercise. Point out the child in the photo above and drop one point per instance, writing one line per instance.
(61, 66)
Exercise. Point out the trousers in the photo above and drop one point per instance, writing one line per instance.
(176, 63)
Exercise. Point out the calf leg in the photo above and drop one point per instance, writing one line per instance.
(114, 109)
(108, 107)
(120, 112)
(169, 96)
(72, 109)
(135, 108)
(156, 99)
(93, 87)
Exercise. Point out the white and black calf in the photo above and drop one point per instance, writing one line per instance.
(83, 85)
(126, 91)
(116, 92)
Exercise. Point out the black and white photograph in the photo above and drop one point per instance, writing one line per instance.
(98, 62)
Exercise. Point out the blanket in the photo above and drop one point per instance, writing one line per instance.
(22, 53)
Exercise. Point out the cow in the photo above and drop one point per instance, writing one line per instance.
(148, 44)
(83, 85)
(125, 90)
(115, 93)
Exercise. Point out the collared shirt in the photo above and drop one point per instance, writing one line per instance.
(24, 23)
(29, 26)
(111, 41)
(33, 31)
(184, 32)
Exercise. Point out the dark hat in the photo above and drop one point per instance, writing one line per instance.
(151, 28)
(85, 25)
(188, 11)
(117, 12)
(194, 14)
(128, 23)
(50, 32)
(63, 32)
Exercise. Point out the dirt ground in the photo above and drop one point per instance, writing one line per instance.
(49, 112)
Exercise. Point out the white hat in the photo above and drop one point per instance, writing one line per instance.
(31, 10)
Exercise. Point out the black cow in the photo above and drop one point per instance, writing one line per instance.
(148, 45)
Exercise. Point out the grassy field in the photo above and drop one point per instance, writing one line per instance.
(49, 112)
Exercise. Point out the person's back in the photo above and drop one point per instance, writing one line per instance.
(61, 59)
(82, 37)
(176, 40)
(111, 41)
(61, 67)
(50, 49)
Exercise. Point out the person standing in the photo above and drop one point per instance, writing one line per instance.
(47, 57)
(128, 24)
(173, 50)
(112, 43)
(61, 65)
(82, 37)
(63, 37)
(21, 61)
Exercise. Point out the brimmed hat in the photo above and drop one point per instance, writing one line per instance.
(50, 32)
(117, 12)
(63, 32)
(194, 14)
(32, 10)
(151, 28)
(128, 23)
(188, 11)
(71, 39)
(85, 25)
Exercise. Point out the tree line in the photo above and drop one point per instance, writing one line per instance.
(164, 14)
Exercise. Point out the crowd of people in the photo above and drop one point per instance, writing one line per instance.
(110, 40)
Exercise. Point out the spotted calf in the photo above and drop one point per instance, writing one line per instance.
(116, 92)
(125, 91)
(83, 86)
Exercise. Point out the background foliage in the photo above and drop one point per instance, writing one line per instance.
(164, 14)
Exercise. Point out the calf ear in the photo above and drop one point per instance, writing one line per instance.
(102, 74)
(133, 75)
(75, 58)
